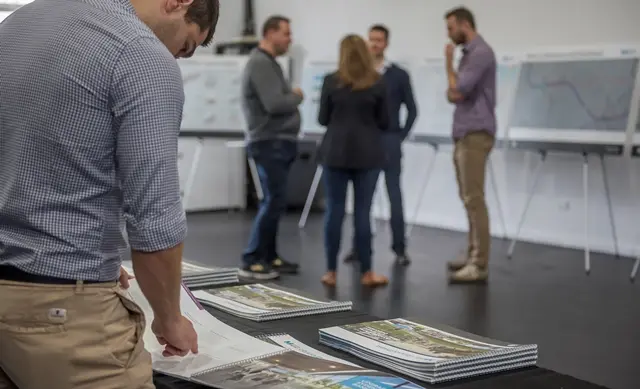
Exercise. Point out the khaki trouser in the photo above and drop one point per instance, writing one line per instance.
(71, 337)
(470, 159)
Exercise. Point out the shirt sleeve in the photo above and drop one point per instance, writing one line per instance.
(469, 76)
(147, 98)
(324, 112)
(410, 103)
(268, 87)
(382, 108)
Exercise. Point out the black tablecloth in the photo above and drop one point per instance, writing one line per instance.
(305, 329)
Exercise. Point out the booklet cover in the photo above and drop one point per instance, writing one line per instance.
(258, 299)
(403, 339)
(292, 370)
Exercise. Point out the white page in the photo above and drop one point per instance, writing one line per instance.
(291, 343)
(218, 343)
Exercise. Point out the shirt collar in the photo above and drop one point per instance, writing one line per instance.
(128, 6)
(382, 69)
(472, 44)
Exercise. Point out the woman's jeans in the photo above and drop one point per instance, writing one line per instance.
(364, 185)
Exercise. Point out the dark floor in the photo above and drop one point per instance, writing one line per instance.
(585, 326)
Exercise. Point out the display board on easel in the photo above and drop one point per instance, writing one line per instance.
(212, 88)
(575, 100)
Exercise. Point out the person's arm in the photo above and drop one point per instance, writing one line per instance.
(382, 107)
(409, 102)
(266, 83)
(324, 112)
(147, 99)
(465, 81)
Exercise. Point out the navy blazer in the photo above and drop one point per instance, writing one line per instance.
(355, 122)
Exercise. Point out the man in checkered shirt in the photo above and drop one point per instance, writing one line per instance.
(91, 100)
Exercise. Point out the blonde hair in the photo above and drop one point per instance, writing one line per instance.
(356, 69)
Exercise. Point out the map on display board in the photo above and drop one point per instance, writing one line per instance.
(436, 113)
(575, 98)
(212, 88)
(312, 78)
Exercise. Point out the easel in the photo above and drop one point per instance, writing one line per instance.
(634, 182)
(600, 151)
(436, 143)
(191, 178)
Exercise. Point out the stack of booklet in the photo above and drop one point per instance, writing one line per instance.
(433, 354)
(197, 276)
(298, 366)
(259, 302)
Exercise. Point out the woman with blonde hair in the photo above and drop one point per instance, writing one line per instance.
(353, 108)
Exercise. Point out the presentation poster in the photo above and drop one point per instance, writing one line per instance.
(581, 97)
(313, 76)
(212, 87)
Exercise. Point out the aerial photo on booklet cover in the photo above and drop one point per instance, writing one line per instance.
(420, 339)
(263, 297)
(291, 370)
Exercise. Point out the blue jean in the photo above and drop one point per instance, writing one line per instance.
(392, 177)
(336, 184)
(273, 159)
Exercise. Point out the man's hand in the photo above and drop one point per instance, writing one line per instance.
(178, 337)
(124, 278)
(453, 96)
(449, 50)
(298, 92)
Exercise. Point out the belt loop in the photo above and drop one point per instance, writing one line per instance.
(79, 286)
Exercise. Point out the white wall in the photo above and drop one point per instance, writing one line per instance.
(418, 29)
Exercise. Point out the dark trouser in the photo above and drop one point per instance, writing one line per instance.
(336, 184)
(392, 178)
(273, 159)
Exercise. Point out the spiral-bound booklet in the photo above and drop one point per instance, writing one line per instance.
(431, 353)
(218, 343)
(260, 302)
(291, 369)
(198, 276)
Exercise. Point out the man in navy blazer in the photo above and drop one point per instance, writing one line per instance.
(400, 92)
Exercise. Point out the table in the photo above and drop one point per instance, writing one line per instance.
(305, 329)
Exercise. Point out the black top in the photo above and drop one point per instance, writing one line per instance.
(355, 121)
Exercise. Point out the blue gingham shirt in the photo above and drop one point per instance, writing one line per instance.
(90, 110)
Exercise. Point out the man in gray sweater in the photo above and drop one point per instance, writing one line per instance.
(273, 122)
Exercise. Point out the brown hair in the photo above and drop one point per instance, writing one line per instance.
(356, 69)
(205, 13)
(273, 24)
(462, 14)
(381, 28)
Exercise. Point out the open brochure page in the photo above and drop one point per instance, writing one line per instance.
(403, 339)
(291, 343)
(218, 343)
(254, 299)
(292, 370)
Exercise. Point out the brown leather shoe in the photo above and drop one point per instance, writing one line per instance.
(329, 279)
(373, 280)
(461, 261)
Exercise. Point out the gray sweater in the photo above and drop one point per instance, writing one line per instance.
(270, 107)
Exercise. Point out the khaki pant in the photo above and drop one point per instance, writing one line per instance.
(470, 159)
(71, 337)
